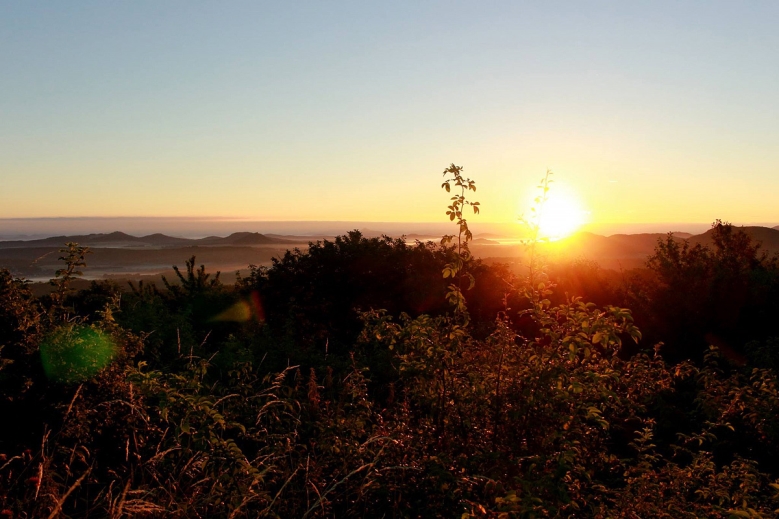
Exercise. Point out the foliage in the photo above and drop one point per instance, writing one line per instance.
(75, 353)
(524, 402)
(74, 257)
(695, 295)
(460, 256)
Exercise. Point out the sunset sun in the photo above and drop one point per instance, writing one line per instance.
(560, 216)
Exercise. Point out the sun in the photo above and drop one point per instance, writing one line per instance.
(560, 216)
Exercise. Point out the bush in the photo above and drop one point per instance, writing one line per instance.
(198, 399)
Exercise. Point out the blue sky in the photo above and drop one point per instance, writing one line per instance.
(654, 111)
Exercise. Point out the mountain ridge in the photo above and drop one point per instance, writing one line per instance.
(118, 239)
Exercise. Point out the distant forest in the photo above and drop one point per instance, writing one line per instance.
(371, 377)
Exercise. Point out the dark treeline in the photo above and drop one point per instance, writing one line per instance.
(353, 380)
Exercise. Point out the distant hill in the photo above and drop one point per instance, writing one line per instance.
(240, 238)
(629, 250)
(613, 252)
(121, 253)
(617, 251)
(624, 249)
(767, 236)
(300, 239)
(122, 240)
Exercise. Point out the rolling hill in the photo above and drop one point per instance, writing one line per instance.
(768, 237)
(118, 253)
(122, 240)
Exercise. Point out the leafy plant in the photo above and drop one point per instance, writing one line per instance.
(461, 255)
(74, 257)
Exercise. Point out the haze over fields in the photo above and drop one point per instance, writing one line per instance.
(121, 256)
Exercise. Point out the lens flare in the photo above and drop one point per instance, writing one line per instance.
(243, 311)
(76, 353)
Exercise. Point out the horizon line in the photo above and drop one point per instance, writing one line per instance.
(253, 220)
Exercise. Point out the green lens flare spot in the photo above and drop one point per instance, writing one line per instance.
(74, 354)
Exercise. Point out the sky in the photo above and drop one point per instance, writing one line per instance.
(646, 112)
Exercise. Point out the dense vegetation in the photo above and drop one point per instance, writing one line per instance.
(354, 379)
